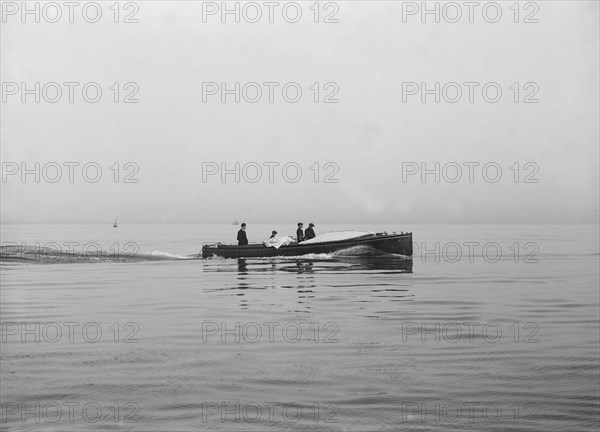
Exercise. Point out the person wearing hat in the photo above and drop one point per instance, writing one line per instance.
(273, 234)
(310, 232)
(300, 232)
(241, 237)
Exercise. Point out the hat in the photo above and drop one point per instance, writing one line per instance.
(311, 225)
(274, 232)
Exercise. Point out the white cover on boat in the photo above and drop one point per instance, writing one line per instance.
(277, 242)
(336, 235)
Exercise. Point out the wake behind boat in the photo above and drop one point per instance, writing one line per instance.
(400, 244)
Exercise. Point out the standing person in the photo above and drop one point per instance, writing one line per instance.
(310, 232)
(299, 232)
(241, 237)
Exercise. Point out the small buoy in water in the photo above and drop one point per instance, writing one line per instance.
(115, 225)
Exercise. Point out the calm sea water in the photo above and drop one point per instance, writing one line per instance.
(487, 328)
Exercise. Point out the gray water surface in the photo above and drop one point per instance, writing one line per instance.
(157, 339)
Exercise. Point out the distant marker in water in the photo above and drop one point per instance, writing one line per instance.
(115, 225)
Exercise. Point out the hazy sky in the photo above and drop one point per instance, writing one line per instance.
(370, 137)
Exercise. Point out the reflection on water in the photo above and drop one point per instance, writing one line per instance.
(242, 266)
(378, 277)
(391, 263)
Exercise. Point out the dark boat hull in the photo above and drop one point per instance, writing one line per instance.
(385, 243)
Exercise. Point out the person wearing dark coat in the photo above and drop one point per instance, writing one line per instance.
(310, 232)
(241, 237)
(273, 234)
(300, 232)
